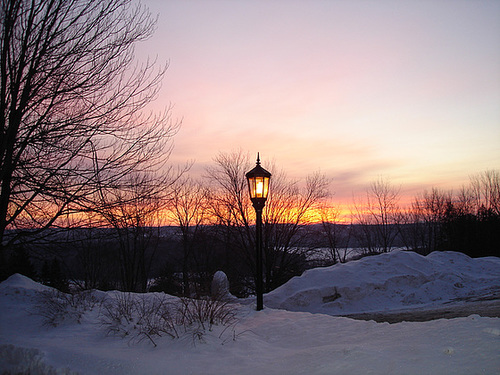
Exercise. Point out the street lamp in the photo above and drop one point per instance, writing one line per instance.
(258, 185)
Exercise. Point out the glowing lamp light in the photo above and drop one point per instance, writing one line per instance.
(258, 185)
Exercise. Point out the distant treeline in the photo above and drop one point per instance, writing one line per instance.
(92, 259)
(125, 247)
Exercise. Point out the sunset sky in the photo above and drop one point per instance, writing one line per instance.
(406, 90)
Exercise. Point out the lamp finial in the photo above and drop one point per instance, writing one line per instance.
(258, 159)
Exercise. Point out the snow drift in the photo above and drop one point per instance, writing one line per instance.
(397, 280)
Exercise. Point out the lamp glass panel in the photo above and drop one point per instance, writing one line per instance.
(265, 187)
(259, 187)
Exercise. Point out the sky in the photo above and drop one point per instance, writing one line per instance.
(404, 90)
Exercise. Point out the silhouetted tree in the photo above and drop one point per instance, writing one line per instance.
(95, 261)
(471, 222)
(484, 191)
(134, 212)
(52, 275)
(379, 216)
(288, 210)
(287, 215)
(338, 236)
(71, 104)
(467, 221)
(230, 210)
(424, 220)
(19, 261)
(188, 208)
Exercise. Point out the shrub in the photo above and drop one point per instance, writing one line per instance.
(139, 316)
(205, 313)
(56, 307)
(149, 316)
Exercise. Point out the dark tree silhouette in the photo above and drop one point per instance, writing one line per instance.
(337, 236)
(52, 275)
(424, 220)
(133, 211)
(189, 210)
(72, 103)
(471, 223)
(379, 217)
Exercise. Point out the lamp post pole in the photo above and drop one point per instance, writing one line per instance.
(259, 287)
(258, 186)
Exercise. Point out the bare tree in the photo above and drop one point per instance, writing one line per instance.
(485, 191)
(338, 235)
(424, 220)
(231, 210)
(379, 216)
(93, 268)
(287, 212)
(71, 103)
(287, 215)
(134, 212)
(189, 210)
(472, 219)
(231, 191)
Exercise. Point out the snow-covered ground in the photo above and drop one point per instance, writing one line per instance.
(307, 340)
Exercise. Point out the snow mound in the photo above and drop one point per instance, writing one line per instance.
(396, 280)
(19, 284)
(220, 287)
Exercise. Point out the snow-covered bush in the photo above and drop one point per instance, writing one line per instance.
(205, 313)
(153, 315)
(140, 317)
(135, 316)
(56, 307)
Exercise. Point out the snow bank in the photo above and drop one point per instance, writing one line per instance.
(396, 280)
(17, 286)
(21, 283)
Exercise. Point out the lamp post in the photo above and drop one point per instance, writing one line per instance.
(258, 186)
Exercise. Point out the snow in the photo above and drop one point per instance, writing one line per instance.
(277, 340)
(391, 281)
(21, 284)
(220, 286)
